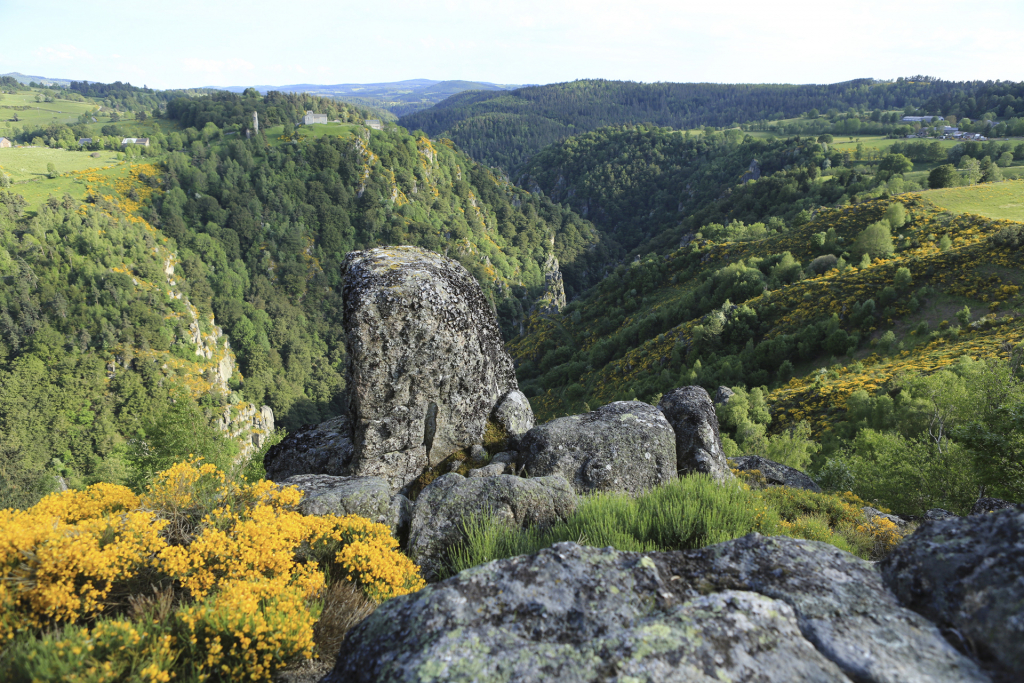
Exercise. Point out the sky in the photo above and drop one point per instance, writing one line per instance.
(189, 43)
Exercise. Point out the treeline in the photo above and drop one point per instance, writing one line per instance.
(127, 97)
(227, 109)
(537, 116)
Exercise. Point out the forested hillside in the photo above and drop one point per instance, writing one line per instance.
(506, 129)
(103, 301)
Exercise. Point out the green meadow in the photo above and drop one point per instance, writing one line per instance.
(995, 200)
(29, 163)
(39, 113)
(317, 130)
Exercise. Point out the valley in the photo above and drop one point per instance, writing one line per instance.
(271, 377)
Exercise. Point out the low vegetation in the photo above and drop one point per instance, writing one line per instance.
(690, 512)
(200, 578)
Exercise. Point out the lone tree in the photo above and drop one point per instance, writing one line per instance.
(896, 214)
(943, 176)
(875, 240)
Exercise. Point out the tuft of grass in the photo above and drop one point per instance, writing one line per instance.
(690, 512)
(344, 606)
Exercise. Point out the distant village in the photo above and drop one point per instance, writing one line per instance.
(948, 132)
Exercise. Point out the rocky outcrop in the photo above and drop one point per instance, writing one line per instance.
(753, 609)
(964, 573)
(427, 363)
(723, 395)
(442, 508)
(553, 298)
(983, 505)
(776, 474)
(698, 445)
(514, 416)
(315, 449)
(623, 446)
(368, 497)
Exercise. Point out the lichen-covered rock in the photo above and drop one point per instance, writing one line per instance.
(776, 474)
(427, 364)
(698, 445)
(623, 446)
(753, 609)
(939, 513)
(515, 416)
(723, 395)
(325, 448)
(983, 505)
(965, 573)
(440, 510)
(368, 497)
(492, 470)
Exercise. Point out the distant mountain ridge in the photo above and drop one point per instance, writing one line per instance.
(25, 79)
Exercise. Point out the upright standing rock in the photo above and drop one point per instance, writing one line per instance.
(698, 446)
(427, 363)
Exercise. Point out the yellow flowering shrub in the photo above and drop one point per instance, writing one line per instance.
(884, 534)
(244, 568)
(245, 633)
(55, 570)
(112, 650)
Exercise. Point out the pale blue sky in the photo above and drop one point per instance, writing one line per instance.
(182, 43)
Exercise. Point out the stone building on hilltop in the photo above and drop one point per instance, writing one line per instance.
(310, 118)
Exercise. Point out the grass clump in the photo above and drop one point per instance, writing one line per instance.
(689, 512)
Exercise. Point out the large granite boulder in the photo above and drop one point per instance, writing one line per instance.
(314, 449)
(698, 445)
(623, 446)
(427, 365)
(368, 497)
(967, 574)
(775, 473)
(752, 609)
(442, 508)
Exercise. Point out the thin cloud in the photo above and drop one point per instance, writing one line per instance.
(63, 53)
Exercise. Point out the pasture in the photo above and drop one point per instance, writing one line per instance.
(995, 200)
(29, 163)
(29, 112)
(317, 130)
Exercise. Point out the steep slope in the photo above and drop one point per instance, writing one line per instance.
(747, 313)
(101, 349)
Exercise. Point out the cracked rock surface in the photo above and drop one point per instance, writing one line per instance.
(427, 365)
(753, 609)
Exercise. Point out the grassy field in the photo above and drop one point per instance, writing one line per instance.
(40, 113)
(996, 200)
(100, 174)
(317, 130)
(29, 163)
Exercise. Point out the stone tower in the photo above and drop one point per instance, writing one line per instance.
(255, 122)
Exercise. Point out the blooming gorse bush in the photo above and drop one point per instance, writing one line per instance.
(245, 568)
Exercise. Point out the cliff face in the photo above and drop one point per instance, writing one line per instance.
(211, 369)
